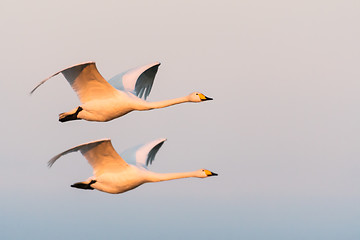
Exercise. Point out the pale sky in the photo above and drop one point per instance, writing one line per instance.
(282, 131)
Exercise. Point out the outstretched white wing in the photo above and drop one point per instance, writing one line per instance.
(143, 155)
(138, 81)
(86, 81)
(100, 154)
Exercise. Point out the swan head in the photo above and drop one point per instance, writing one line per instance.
(203, 173)
(198, 97)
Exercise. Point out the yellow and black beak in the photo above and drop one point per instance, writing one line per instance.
(209, 173)
(204, 98)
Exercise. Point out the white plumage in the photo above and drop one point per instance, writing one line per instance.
(103, 101)
(112, 174)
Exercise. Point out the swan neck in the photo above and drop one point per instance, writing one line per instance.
(159, 177)
(167, 103)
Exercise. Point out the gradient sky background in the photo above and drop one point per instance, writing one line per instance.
(282, 132)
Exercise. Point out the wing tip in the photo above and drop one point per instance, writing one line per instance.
(154, 150)
(77, 148)
(52, 161)
(32, 91)
(43, 81)
(151, 65)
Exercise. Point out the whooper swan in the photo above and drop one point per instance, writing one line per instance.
(104, 101)
(113, 175)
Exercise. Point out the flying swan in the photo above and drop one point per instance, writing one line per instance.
(113, 175)
(103, 101)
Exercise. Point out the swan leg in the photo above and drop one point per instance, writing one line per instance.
(84, 185)
(64, 117)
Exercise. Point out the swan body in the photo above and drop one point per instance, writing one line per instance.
(112, 174)
(104, 101)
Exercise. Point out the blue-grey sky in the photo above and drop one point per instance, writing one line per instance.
(282, 131)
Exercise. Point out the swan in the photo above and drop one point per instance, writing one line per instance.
(112, 174)
(103, 101)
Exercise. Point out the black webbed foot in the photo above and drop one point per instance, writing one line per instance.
(85, 186)
(70, 117)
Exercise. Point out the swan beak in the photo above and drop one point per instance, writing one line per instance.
(209, 173)
(204, 98)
